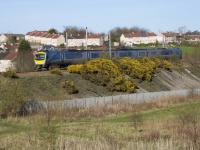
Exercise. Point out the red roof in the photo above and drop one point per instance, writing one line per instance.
(94, 36)
(11, 55)
(139, 34)
(45, 34)
(170, 34)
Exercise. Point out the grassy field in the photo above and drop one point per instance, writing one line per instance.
(159, 125)
(189, 49)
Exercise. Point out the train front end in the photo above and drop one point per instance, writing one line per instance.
(40, 60)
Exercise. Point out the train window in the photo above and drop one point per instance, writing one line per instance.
(73, 55)
(153, 53)
(95, 55)
(125, 54)
(166, 52)
(142, 54)
(113, 54)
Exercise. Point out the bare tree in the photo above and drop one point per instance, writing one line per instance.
(118, 31)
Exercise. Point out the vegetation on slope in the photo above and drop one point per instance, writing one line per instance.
(169, 124)
(115, 74)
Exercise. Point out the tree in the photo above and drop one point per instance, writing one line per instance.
(12, 39)
(53, 31)
(75, 32)
(118, 31)
(25, 58)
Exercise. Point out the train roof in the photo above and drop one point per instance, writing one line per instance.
(75, 50)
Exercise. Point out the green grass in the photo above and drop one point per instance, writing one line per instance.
(86, 127)
(189, 49)
(114, 129)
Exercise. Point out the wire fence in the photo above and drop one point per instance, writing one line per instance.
(128, 98)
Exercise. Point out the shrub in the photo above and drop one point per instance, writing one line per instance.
(11, 98)
(10, 73)
(75, 69)
(140, 69)
(100, 71)
(157, 62)
(70, 87)
(121, 84)
(104, 72)
(56, 71)
(167, 65)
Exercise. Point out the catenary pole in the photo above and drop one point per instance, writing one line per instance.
(110, 45)
(86, 36)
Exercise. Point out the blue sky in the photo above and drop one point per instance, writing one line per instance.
(21, 16)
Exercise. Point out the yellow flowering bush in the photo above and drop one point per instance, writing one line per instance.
(111, 73)
(70, 87)
(75, 69)
(139, 69)
(104, 72)
(167, 65)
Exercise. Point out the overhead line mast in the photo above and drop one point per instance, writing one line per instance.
(86, 36)
(110, 46)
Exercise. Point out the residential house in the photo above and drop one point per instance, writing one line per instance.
(170, 37)
(45, 38)
(192, 37)
(4, 37)
(135, 38)
(92, 40)
(7, 59)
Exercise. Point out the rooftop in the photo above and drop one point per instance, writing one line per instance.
(139, 34)
(44, 34)
(170, 34)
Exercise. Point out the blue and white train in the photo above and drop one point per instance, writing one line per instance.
(63, 57)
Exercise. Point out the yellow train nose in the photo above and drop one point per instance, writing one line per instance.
(39, 62)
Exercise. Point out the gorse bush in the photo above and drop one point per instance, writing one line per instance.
(70, 87)
(75, 69)
(56, 71)
(140, 69)
(143, 69)
(10, 73)
(113, 73)
(105, 73)
(100, 71)
(167, 65)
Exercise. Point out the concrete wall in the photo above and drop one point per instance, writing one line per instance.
(130, 98)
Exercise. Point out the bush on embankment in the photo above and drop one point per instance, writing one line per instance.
(113, 73)
(105, 73)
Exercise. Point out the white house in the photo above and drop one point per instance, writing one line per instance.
(8, 61)
(3, 38)
(140, 38)
(45, 38)
(192, 38)
(169, 37)
(92, 40)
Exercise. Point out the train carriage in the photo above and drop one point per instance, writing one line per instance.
(63, 57)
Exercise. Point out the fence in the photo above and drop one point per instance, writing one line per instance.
(129, 98)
